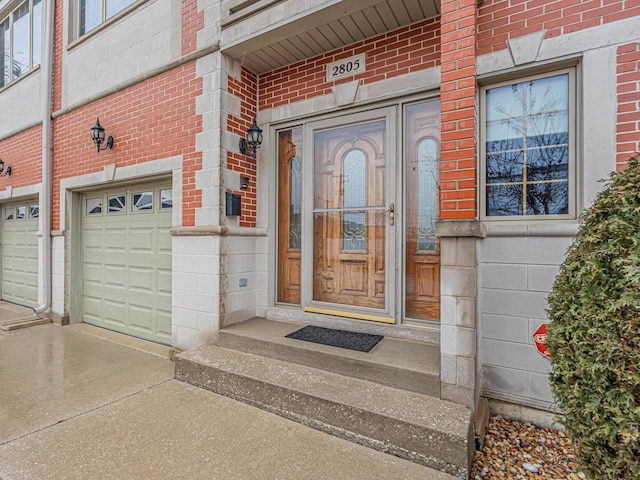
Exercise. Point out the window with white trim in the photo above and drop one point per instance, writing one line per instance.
(528, 147)
(92, 13)
(20, 37)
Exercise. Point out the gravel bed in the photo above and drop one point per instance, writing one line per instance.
(520, 450)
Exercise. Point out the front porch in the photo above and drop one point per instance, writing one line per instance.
(387, 399)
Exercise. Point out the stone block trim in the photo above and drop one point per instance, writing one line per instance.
(160, 110)
(628, 109)
(246, 89)
(23, 153)
(458, 110)
(501, 20)
(395, 53)
(192, 22)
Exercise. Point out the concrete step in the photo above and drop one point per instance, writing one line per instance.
(407, 424)
(394, 362)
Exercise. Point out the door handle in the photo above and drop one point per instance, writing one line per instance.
(392, 214)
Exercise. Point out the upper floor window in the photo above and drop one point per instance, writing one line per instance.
(20, 36)
(528, 147)
(92, 13)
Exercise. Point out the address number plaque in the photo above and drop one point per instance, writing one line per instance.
(346, 67)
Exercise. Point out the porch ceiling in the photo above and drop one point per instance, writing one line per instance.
(301, 31)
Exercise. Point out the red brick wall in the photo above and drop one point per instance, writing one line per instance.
(246, 89)
(23, 153)
(628, 115)
(151, 120)
(501, 20)
(192, 22)
(458, 110)
(395, 53)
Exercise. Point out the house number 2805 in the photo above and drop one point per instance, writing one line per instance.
(346, 67)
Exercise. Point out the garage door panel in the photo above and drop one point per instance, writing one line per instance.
(142, 240)
(164, 244)
(115, 276)
(164, 281)
(141, 279)
(141, 317)
(92, 273)
(115, 240)
(135, 276)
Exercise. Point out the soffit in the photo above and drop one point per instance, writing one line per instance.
(315, 32)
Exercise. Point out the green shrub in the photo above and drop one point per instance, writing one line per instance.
(594, 337)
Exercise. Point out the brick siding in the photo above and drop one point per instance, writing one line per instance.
(23, 153)
(192, 22)
(246, 89)
(458, 110)
(501, 20)
(151, 120)
(628, 113)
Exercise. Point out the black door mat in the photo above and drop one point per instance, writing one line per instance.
(362, 342)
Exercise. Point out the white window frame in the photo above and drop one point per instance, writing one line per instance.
(9, 16)
(572, 173)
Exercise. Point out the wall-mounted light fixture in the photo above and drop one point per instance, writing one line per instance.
(97, 135)
(244, 182)
(4, 173)
(249, 145)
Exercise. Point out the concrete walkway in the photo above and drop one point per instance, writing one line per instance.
(76, 406)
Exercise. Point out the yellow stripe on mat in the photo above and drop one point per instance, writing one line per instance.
(359, 316)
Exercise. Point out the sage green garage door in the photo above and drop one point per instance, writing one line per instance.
(20, 253)
(126, 260)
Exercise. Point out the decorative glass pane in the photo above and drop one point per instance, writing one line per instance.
(21, 213)
(116, 204)
(142, 201)
(354, 191)
(10, 214)
(166, 199)
(527, 147)
(354, 230)
(427, 194)
(21, 25)
(4, 53)
(34, 211)
(90, 15)
(36, 32)
(295, 204)
(94, 206)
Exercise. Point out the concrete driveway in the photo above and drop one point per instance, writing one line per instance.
(77, 404)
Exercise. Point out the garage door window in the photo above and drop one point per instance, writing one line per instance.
(166, 199)
(34, 211)
(9, 214)
(117, 204)
(21, 213)
(94, 206)
(142, 202)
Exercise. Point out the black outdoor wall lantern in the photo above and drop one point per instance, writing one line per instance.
(249, 145)
(97, 135)
(4, 173)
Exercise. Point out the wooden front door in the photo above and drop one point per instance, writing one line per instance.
(352, 218)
